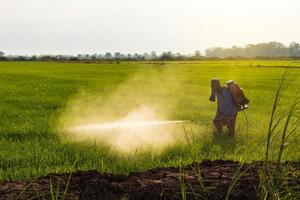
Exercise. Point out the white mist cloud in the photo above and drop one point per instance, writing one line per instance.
(141, 129)
(136, 115)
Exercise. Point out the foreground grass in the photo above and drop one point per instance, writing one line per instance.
(35, 94)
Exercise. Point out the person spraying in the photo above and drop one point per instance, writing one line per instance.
(230, 100)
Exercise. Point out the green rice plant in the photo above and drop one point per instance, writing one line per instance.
(183, 185)
(272, 188)
(24, 190)
(236, 176)
(205, 193)
(67, 187)
(183, 188)
(55, 195)
(273, 184)
(274, 123)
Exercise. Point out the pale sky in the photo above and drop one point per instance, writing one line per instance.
(98, 26)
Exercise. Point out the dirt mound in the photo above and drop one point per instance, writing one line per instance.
(160, 183)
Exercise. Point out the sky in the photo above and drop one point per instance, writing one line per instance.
(99, 26)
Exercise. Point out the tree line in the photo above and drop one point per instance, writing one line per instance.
(117, 56)
(269, 50)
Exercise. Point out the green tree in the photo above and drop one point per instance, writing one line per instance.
(294, 49)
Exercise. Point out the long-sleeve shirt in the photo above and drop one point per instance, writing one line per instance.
(226, 105)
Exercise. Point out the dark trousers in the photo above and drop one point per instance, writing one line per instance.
(229, 121)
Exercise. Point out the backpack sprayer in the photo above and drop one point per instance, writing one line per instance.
(237, 95)
(239, 98)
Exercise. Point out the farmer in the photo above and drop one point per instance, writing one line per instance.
(226, 111)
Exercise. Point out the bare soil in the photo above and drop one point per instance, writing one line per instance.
(159, 183)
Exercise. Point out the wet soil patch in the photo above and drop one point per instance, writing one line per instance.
(206, 180)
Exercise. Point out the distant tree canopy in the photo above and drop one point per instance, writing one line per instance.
(270, 49)
(2, 56)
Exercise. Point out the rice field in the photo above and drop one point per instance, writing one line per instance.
(39, 99)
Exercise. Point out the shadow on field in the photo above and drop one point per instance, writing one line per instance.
(224, 140)
(218, 143)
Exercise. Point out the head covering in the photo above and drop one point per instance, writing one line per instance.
(215, 86)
